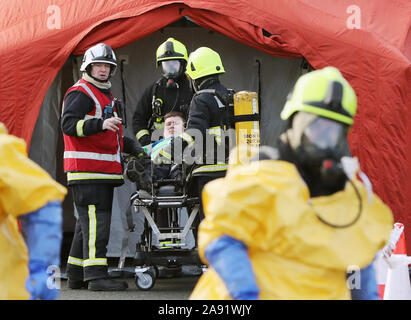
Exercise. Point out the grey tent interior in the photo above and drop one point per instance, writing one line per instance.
(246, 69)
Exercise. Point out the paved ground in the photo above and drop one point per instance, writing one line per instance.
(175, 288)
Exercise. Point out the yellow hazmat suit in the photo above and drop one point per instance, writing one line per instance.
(267, 206)
(24, 187)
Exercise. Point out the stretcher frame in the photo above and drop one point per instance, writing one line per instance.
(149, 256)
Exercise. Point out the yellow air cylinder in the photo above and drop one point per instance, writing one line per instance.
(247, 125)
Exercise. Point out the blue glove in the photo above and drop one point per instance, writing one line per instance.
(40, 284)
(368, 285)
(229, 258)
(42, 230)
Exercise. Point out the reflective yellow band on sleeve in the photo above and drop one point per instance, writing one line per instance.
(142, 133)
(79, 128)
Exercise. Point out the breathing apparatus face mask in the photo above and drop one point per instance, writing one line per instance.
(171, 68)
(319, 144)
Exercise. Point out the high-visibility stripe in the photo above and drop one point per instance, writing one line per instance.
(220, 104)
(92, 260)
(92, 231)
(211, 168)
(142, 133)
(87, 262)
(91, 156)
(99, 112)
(158, 125)
(165, 154)
(217, 132)
(91, 175)
(79, 128)
(189, 139)
(95, 262)
(75, 261)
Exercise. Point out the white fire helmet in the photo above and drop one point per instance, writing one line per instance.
(99, 53)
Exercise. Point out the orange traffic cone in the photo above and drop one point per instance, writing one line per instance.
(398, 286)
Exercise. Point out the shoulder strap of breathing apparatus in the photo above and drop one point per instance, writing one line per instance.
(225, 103)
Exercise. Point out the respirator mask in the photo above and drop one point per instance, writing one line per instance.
(319, 144)
(171, 68)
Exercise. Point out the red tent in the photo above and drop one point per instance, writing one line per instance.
(370, 42)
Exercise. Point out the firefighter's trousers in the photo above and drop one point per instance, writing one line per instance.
(87, 259)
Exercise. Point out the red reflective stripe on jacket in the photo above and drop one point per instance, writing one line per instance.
(103, 144)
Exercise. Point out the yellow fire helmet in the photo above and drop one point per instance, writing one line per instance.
(171, 49)
(204, 62)
(323, 92)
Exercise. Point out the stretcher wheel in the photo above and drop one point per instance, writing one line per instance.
(155, 271)
(145, 280)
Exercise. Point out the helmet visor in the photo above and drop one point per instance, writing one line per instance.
(324, 134)
(171, 68)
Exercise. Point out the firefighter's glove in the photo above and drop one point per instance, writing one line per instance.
(138, 152)
(145, 140)
(135, 172)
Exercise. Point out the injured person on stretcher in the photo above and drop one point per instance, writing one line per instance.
(169, 208)
(173, 125)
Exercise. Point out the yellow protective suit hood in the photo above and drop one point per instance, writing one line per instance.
(267, 206)
(24, 188)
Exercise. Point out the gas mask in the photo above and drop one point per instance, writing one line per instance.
(171, 68)
(319, 144)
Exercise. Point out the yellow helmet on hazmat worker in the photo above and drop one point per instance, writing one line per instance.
(323, 92)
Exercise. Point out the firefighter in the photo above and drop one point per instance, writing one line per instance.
(29, 193)
(172, 92)
(289, 223)
(93, 139)
(206, 134)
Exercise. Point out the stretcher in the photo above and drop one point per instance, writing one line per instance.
(165, 246)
